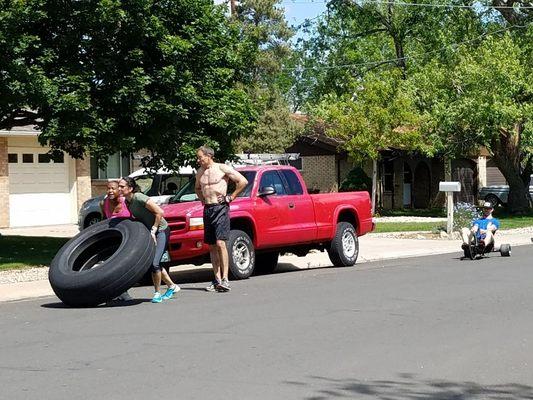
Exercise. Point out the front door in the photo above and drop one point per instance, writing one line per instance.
(272, 211)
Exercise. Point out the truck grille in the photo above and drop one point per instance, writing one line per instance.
(177, 224)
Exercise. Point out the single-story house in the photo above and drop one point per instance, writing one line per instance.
(404, 180)
(38, 190)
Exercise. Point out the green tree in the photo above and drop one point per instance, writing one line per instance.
(109, 75)
(264, 22)
(485, 99)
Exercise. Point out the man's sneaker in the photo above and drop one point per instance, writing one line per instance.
(224, 286)
(213, 286)
(157, 298)
(170, 292)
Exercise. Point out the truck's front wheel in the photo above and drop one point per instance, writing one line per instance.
(344, 247)
(241, 254)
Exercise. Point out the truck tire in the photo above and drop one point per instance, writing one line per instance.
(241, 254)
(344, 247)
(492, 199)
(101, 262)
(266, 263)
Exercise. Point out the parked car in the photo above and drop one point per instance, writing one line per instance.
(497, 194)
(275, 214)
(160, 187)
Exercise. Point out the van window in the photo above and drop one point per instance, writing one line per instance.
(144, 182)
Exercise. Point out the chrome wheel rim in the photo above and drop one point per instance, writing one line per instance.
(241, 255)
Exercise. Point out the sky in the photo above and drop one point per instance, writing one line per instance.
(296, 12)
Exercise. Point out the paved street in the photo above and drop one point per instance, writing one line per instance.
(420, 328)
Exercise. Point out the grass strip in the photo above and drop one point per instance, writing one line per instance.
(28, 251)
(507, 222)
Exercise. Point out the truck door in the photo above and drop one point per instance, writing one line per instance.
(272, 212)
(302, 219)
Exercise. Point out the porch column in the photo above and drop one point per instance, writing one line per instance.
(4, 184)
(83, 180)
(481, 171)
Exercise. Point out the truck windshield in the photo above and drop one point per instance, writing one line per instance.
(187, 192)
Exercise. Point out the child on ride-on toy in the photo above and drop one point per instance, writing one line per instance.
(484, 229)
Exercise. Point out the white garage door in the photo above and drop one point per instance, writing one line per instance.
(39, 190)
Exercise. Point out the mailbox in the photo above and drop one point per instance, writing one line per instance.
(450, 186)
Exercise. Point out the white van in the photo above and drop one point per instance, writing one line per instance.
(160, 186)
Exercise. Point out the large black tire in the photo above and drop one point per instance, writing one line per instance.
(101, 262)
(344, 248)
(241, 254)
(266, 263)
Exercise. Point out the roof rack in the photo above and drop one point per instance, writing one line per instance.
(268, 158)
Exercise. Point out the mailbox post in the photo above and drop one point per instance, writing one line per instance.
(449, 188)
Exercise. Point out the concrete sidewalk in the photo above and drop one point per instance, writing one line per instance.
(373, 247)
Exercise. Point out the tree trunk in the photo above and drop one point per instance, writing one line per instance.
(506, 154)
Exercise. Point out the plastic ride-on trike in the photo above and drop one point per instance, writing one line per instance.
(477, 248)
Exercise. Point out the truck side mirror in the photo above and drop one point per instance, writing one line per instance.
(266, 191)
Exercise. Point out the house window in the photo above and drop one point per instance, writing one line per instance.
(43, 158)
(117, 166)
(27, 158)
(388, 176)
(58, 158)
(12, 158)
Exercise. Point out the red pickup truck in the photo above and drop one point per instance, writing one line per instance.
(273, 215)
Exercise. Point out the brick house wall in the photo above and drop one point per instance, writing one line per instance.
(320, 173)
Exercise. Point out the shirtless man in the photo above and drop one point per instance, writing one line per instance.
(211, 188)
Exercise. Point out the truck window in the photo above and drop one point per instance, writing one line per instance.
(187, 192)
(250, 177)
(293, 183)
(272, 178)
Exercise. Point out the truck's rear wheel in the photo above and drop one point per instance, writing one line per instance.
(344, 247)
(241, 254)
(266, 263)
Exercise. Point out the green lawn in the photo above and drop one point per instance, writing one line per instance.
(507, 222)
(382, 227)
(28, 251)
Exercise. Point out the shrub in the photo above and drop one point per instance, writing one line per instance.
(356, 179)
(463, 215)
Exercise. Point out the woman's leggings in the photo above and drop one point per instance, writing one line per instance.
(161, 239)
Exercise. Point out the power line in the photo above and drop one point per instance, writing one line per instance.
(392, 60)
(430, 5)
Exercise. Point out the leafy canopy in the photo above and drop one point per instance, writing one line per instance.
(109, 75)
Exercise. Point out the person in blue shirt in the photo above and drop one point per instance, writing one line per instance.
(484, 227)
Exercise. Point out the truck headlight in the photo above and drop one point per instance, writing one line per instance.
(196, 223)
